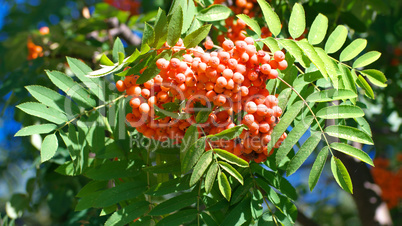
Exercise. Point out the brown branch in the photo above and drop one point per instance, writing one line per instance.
(304, 220)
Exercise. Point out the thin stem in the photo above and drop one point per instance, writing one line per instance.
(309, 108)
(89, 111)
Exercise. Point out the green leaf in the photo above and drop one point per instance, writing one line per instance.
(331, 95)
(189, 14)
(201, 167)
(340, 111)
(104, 60)
(42, 111)
(295, 51)
(91, 187)
(193, 154)
(286, 120)
(208, 220)
(330, 66)
(148, 36)
(49, 147)
(229, 157)
(175, 26)
(238, 215)
(348, 133)
(318, 29)
(128, 213)
(80, 70)
(251, 23)
(352, 151)
(317, 167)
(170, 186)
(271, 43)
(36, 129)
(125, 191)
(376, 77)
(304, 152)
(195, 37)
(353, 49)
(228, 134)
(293, 137)
(160, 26)
(256, 204)
(71, 88)
(203, 115)
(210, 177)
(232, 171)
(173, 204)
(113, 170)
(53, 99)
(195, 25)
(179, 218)
(170, 167)
(341, 175)
(271, 18)
(364, 125)
(348, 80)
(190, 137)
(313, 56)
(118, 47)
(283, 97)
(336, 39)
(366, 59)
(224, 185)
(148, 74)
(242, 191)
(297, 21)
(121, 57)
(365, 86)
(214, 13)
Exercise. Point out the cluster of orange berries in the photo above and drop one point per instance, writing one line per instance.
(34, 51)
(389, 181)
(230, 82)
(132, 6)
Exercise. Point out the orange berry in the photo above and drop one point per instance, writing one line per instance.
(220, 100)
(221, 82)
(265, 69)
(227, 45)
(252, 75)
(264, 127)
(144, 108)
(241, 46)
(120, 86)
(145, 93)
(208, 44)
(214, 62)
(180, 78)
(250, 107)
(279, 56)
(282, 65)
(174, 63)
(273, 74)
(227, 73)
(135, 102)
(262, 110)
(224, 56)
(248, 119)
